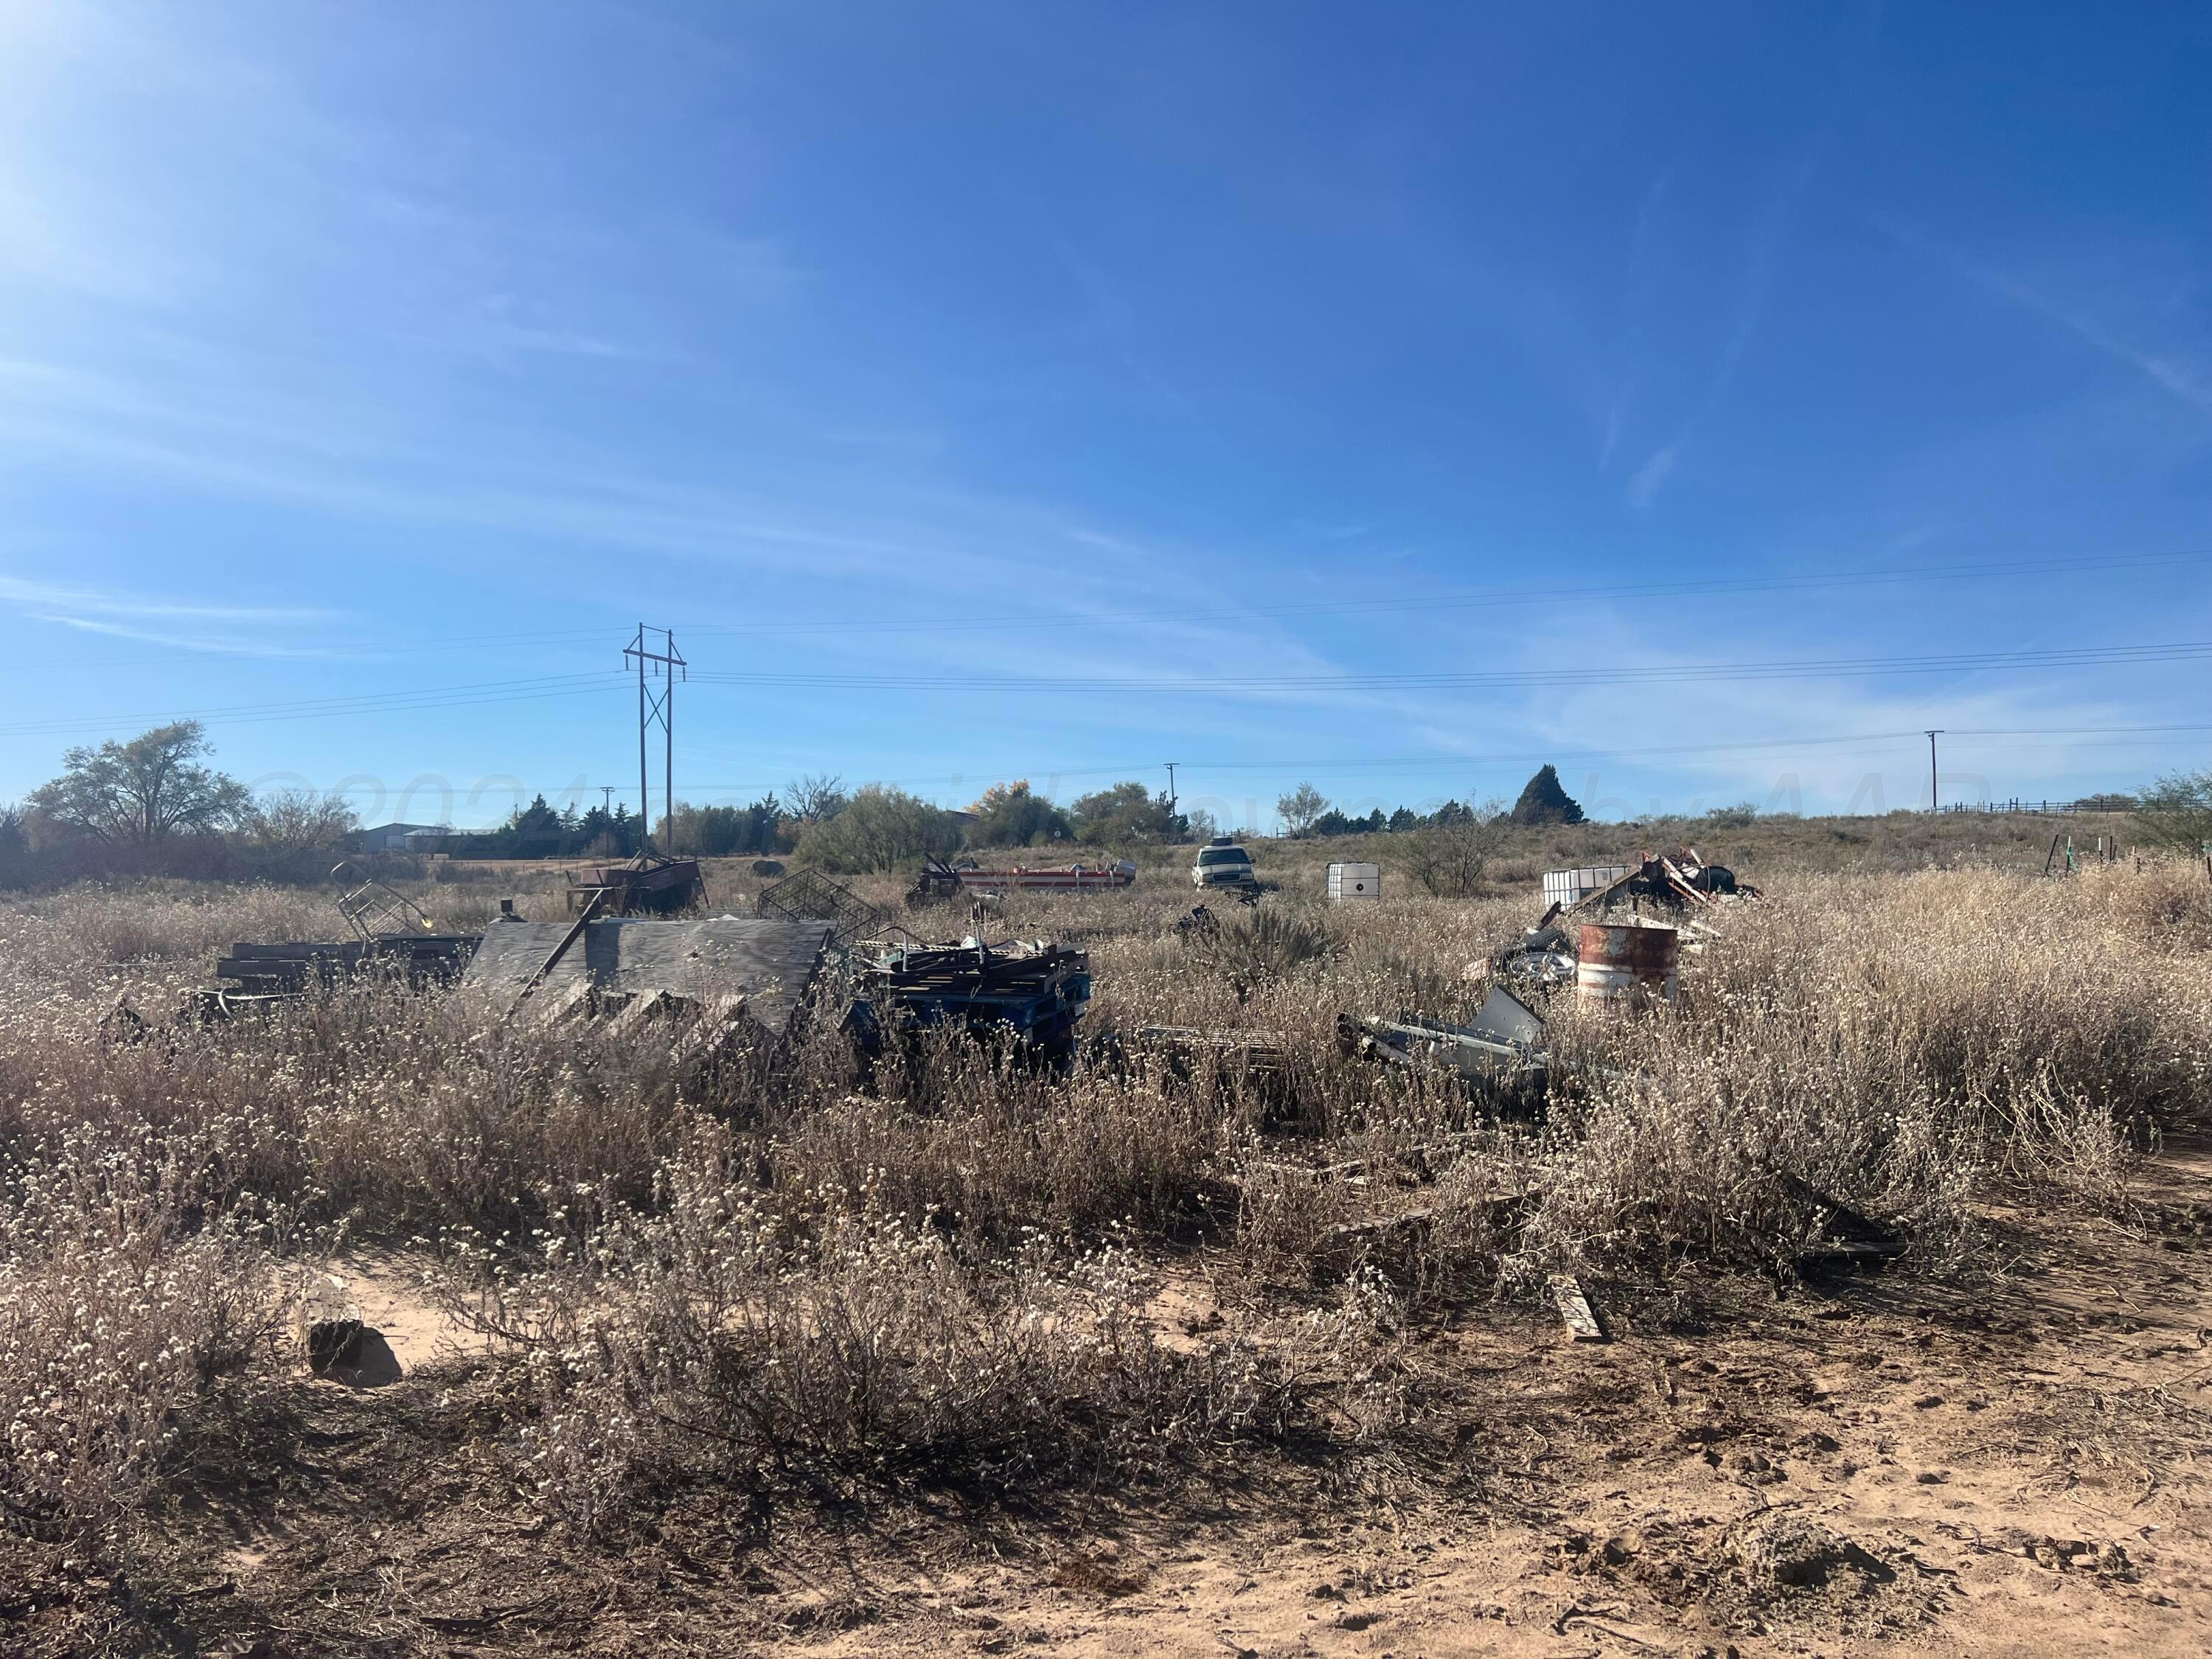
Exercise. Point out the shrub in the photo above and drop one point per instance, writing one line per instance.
(880, 829)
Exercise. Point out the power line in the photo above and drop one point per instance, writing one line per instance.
(1455, 762)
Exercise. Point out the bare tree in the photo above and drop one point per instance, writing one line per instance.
(143, 791)
(817, 800)
(1450, 859)
(299, 820)
(1301, 808)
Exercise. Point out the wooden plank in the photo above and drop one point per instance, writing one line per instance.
(574, 932)
(1574, 1309)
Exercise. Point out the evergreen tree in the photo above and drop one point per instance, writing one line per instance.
(1543, 801)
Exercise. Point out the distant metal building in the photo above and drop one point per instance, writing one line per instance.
(395, 837)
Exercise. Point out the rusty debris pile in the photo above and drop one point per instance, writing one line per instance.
(647, 885)
(716, 982)
(1616, 933)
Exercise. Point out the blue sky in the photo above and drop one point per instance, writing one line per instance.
(1709, 399)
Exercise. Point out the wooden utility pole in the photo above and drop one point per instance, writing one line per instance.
(1932, 736)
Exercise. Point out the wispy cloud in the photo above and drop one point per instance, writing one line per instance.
(1647, 263)
(1652, 475)
(1770, 234)
(208, 644)
(2160, 369)
(23, 594)
(185, 625)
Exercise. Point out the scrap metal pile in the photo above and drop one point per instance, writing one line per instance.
(392, 939)
(645, 885)
(939, 880)
(715, 980)
(1033, 992)
(715, 984)
(1547, 958)
(1615, 933)
(1498, 1055)
(810, 895)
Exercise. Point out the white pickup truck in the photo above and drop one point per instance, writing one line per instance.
(1223, 863)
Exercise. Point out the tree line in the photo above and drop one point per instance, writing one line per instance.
(1305, 811)
(117, 804)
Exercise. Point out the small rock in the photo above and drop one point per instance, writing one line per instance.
(1932, 1477)
(1928, 1402)
(1328, 1593)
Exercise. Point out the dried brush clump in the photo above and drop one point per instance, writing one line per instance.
(827, 1344)
(944, 1268)
(127, 1291)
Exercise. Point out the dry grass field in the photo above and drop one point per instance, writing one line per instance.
(953, 1355)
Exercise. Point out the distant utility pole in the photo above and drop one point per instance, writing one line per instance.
(1171, 790)
(666, 664)
(607, 799)
(1932, 736)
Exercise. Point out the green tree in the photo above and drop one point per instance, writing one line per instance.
(531, 832)
(880, 829)
(607, 834)
(141, 791)
(1127, 812)
(1544, 801)
(2177, 812)
(1008, 815)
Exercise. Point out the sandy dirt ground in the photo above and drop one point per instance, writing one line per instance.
(2015, 1467)
(1893, 1468)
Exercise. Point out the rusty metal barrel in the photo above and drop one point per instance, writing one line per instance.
(1626, 965)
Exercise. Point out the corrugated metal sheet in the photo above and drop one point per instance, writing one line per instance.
(768, 962)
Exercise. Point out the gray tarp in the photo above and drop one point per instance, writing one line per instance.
(767, 962)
